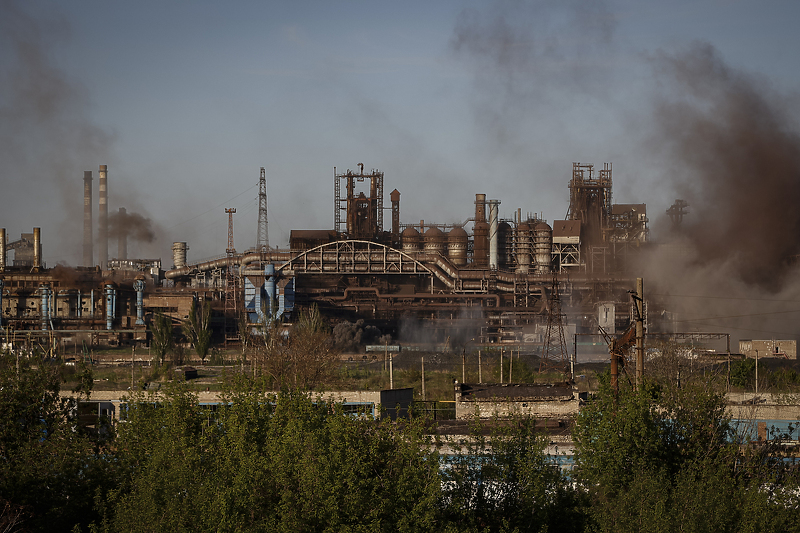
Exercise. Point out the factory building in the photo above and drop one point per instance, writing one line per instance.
(491, 279)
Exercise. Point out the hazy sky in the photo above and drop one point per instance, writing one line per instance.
(185, 101)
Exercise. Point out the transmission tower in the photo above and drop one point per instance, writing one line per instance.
(262, 242)
(554, 348)
(230, 280)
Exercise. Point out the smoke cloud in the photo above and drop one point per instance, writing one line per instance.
(736, 161)
(135, 226)
(46, 137)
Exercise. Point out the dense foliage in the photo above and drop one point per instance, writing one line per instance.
(661, 459)
(667, 459)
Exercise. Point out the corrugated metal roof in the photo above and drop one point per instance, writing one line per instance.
(566, 228)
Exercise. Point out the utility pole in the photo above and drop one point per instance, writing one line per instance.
(638, 299)
(230, 275)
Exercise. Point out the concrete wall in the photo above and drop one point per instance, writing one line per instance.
(507, 408)
(768, 348)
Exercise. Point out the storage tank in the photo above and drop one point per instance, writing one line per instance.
(522, 247)
(457, 246)
(410, 238)
(435, 241)
(543, 247)
(179, 254)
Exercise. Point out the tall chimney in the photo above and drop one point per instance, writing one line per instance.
(37, 249)
(494, 248)
(88, 252)
(2, 250)
(102, 232)
(122, 235)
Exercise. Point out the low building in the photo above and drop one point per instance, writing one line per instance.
(556, 401)
(784, 349)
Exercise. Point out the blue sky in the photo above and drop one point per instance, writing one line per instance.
(185, 101)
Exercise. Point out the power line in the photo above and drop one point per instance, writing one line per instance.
(215, 207)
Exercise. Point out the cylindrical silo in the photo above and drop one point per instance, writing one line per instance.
(543, 246)
(493, 236)
(410, 238)
(88, 253)
(434, 241)
(457, 246)
(179, 254)
(522, 247)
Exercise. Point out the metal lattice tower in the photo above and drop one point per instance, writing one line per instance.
(262, 242)
(554, 348)
(230, 280)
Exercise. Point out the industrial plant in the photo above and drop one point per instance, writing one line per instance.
(492, 281)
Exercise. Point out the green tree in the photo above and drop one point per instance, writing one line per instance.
(162, 342)
(197, 327)
(501, 479)
(299, 359)
(666, 459)
(49, 469)
(263, 463)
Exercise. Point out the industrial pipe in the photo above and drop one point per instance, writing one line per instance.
(44, 308)
(110, 294)
(2, 283)
(138, 286)
(269, 288)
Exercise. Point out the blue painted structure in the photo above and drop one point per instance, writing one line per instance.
(263, 300)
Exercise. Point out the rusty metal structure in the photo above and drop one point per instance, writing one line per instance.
(494, 278)
(363, 211)
(231, 281)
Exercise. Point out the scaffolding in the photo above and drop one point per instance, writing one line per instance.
(363, 214)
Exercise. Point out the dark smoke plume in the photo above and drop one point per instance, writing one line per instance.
(738, 159)
(351, 336)
(46, 137)
(135, 226)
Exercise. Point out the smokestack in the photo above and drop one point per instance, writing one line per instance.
(395, 197)
(37, 249)
(480, 208)
(122, 235)
(102, 231)
(493, 238)
(88, 252)
(2, 250)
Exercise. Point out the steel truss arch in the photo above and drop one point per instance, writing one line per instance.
(355, 257)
